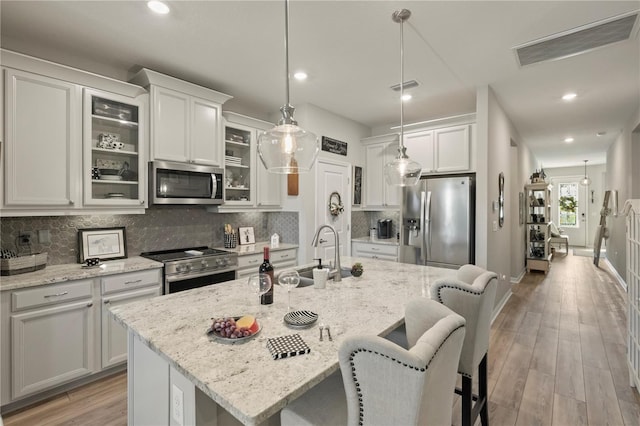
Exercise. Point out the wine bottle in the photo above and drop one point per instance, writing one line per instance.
(267, 268)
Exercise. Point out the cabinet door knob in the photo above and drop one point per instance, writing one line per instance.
(89, 305)
(71, 202)
(141, 202)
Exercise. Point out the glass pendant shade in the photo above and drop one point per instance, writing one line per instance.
(288, 149)
(402, 171)
(585, 181)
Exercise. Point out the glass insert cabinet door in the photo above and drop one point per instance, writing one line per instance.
(113, 165)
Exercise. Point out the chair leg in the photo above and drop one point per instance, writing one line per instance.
(467, 401)
(482, 392)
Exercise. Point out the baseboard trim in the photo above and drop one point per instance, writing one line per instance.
(501, 305)
(613, 270)
(519, 278)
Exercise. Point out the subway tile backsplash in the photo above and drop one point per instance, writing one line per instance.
(159, 229)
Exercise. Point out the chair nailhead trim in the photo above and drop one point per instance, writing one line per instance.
(477, 293)
(419, 369)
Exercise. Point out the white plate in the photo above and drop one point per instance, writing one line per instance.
(110, 177)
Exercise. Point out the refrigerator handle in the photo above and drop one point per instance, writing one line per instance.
(425, 212)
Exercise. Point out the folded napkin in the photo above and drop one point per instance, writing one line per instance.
(287, 346)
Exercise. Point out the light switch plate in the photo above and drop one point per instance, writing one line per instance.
(177, 405)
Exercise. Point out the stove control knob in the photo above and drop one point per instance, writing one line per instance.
(204, 264)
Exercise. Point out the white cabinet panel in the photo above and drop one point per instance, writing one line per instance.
(452, 149)
(169, 121)
(420, 148)
(43, 140)
(205, 132)
(51, 346)
(377, 192)
(114, 335)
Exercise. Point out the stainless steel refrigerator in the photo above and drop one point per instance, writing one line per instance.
(438, 222)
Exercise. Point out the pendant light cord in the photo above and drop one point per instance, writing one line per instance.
(286, 48)
(401, 86)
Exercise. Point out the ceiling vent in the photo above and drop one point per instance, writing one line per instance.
(407, 85)
(577, 40)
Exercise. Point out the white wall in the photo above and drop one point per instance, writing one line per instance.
(621, 178)
(322, 123)
(496, 134)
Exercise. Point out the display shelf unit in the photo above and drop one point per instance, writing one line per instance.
(632, 209)
(237, 163)
(537, 229)
(113, 144)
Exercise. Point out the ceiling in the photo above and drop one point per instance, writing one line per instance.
(350, 49)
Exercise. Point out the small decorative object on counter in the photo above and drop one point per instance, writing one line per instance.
(356, 269)
(275, 241)
(15, 264)
(267, 268)
(92, 261)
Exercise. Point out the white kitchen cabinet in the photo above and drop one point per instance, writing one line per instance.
(379, 151)
(374, 250)
(117, 290)
(113, 143)
(48, 161)
(186, 120)
(42, 161)
(280, 259)
(442, 150)
(52, 336)
(247, 181)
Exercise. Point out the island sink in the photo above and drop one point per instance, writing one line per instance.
(306, 274)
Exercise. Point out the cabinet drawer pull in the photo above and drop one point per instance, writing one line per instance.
(284, 256)
(253, 261)
(107, 301)
(375, 249)
(56, 295)
(132, 282)
(89, 305)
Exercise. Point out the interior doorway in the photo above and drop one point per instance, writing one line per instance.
(333, 207)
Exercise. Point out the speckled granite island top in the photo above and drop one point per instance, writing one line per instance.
(75, 271)
(243, 378)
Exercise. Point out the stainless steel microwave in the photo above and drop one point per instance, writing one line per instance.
(182, 183)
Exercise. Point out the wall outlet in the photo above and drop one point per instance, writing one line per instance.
(44, 236)
(177, 405)
(25, 238)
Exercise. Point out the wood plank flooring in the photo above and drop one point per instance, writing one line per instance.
(557, 357)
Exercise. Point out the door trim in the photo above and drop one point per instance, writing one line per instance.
(346, 199)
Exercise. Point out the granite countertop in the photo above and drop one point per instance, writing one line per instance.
(245, 250)
(243, 378)
(386, 242)
(74, 271)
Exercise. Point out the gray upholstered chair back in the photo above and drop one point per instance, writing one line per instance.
(471, 294)
(389, 385)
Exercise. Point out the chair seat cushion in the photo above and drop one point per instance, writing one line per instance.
(324, 404)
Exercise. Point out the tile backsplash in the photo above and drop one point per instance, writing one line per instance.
(362, 221)
(159, 229)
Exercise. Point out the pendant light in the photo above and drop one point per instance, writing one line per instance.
(402, 171)
(287, 148)
(585, 181)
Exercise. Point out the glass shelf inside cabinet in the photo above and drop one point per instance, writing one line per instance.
(115, 148)
(237, 161)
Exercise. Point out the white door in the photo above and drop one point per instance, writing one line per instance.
(333, 177)
(569, 208)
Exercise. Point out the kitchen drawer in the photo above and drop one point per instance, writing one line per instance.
(372, 248)
(51, 294)
(282, 256)
(250, 260)
(131, 280)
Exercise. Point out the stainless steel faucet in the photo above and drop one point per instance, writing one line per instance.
(334, 273)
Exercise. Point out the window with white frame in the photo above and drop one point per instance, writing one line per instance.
(568, 205)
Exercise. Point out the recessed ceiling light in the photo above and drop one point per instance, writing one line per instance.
(569, 97)
(300, 75)
(568, 140)
(406, 97)
(602, 133)
(158, 7)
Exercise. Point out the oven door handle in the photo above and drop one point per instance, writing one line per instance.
(188, 276)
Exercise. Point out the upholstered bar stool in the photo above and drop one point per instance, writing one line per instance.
(384, 384)
(471, 294)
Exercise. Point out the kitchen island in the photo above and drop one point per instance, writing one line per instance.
(171, 358)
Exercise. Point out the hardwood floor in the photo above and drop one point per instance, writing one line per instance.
(557, 357)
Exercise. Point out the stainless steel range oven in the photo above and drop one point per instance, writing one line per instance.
(194, 267)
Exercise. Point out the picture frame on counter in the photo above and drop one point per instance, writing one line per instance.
(247, 235)
(102, 243)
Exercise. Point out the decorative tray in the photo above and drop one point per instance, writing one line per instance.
(300, 319)
(217, 337)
